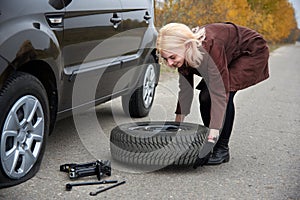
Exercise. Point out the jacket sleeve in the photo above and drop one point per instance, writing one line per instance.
(217, 52)
(185, 94)
(213, 72)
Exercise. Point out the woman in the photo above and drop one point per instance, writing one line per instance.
(229, 58)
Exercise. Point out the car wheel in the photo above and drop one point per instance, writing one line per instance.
(139, 102)
(157, 143)
(24, 124)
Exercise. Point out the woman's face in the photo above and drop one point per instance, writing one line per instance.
(172, 59)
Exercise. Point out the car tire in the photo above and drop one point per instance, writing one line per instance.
(157, 143)
(139, 102)
(24, 123)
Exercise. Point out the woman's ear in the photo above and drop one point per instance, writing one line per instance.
(192, 55)
(188, 44)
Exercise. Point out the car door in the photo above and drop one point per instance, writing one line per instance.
(90, 63)
(136, 17)
(136, 22)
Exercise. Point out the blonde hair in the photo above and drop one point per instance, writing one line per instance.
(180, 39)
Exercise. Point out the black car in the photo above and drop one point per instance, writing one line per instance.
(62, 56)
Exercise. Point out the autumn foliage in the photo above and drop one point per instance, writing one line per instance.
(273, 19)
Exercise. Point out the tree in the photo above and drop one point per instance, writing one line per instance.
(275, 20)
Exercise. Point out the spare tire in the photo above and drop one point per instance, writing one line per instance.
(157, 143)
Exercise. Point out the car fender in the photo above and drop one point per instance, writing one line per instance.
(24, 41)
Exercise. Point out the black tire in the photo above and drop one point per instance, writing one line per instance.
(23, 137)
(157, 143)
(139, 102)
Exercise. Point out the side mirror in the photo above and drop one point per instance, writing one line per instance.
(59, 4)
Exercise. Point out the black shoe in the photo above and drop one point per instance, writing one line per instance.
(220, 153)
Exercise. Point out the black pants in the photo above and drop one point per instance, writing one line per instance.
(205, 106)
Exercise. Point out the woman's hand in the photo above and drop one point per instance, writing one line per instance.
(213, 135)
(179, 118)
(205, 152)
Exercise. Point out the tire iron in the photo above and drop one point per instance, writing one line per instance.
(107, 188)
(70, 185)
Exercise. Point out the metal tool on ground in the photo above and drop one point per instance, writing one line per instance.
(98, 168)
(69, 186)
(106, 188)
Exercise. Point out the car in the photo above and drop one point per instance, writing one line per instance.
(59, 57)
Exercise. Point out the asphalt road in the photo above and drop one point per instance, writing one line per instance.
(265, 154)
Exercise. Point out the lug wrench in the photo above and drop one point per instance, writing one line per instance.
(70, 185)
(107, 188)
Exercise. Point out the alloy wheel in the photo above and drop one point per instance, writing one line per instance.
(22, 136)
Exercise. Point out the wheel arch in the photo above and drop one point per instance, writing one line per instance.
(154, 55)
(144, 58)
(42, 71)
(34, 49)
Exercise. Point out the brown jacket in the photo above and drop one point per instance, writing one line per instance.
(240, 56)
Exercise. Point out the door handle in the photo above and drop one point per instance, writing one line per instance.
(115, 20)
(147, 16)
